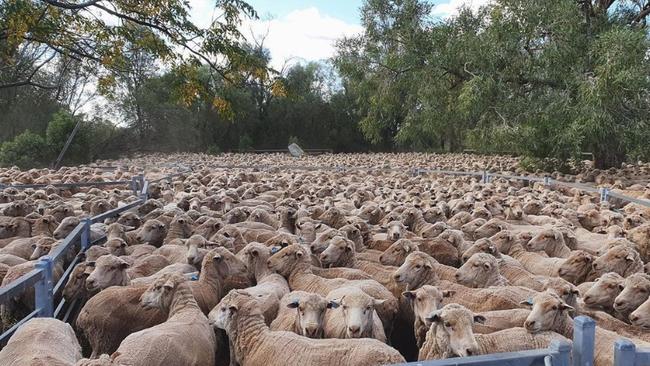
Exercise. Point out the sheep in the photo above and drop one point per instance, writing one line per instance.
(108, 317)
(640, 235)
(480, 270)
(641, 316)
(418, 270)
(153, 232)
(424, 301)
(573, 269)
(42, 341)
(352, 315)
(396, 254)
(451, 335)
(602, 293)
(270, 287)
(412, 218)
(292, 262)
(620, 259)
(549, 312)
(551, 242)
(185, 338)
(302, 313)
(341, 253)
(254, 343)
(636, 289)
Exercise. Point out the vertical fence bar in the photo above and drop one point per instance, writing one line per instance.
(547, 181)
(562, 353)
(43, 289)
(85, 234)
(134, 185)
(624, 353)
(604, 194)
(584, 336)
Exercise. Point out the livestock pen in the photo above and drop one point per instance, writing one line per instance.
(580, 353)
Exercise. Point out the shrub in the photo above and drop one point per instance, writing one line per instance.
(26, 150)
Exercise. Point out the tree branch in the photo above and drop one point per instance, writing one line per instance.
(642, 14)
(71, 6)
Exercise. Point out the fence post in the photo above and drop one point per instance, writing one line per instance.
(134, 185)
(85, 234)
(562, 353)
(584, 333)
(624, 353)
(604, 194)
(43, 299)
(485, 177)
(547, 181)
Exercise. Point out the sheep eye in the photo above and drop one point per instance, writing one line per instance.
(418, 266)
(554, 307)
(447, 324)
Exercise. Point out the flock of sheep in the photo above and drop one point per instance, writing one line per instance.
(351, 260)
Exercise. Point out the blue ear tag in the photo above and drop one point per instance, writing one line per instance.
(194, 277)
(275, 250)
(530, 301)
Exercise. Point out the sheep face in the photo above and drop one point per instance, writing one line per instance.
(225, 314)
(288, 259)
(618, 259)
(576, 267)
(471, 226)
(547, 309)
(116, 246)
(7, 230)
(65, 227)
(425, 301)
(545, 239)
(129, 219)
(76, 285)
(307, 230)
(41, 247)
(193, 244)
(322, 240)
(396, 254)
(477, 270)
(60, 212)
(481, 246)
(148, 206)
(417, 266)
(488, 229)
(455, 324)
(160, 293)
(109, 270)
(604, 291)
(635, 292)
(641, 316)
(337, 253)
(433, 215)
(358, 311)
(309, 314)
(152, 232)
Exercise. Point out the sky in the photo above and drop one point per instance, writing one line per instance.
(301, 31)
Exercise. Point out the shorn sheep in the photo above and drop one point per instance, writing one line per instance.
(255, 344)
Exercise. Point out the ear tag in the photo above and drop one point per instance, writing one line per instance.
(275, 250)
(194, 277)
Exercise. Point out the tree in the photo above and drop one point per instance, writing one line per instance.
(93, 31)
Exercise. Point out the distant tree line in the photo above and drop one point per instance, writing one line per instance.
(541, 79)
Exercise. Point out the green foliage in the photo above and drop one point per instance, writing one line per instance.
(58, 130)
(25, 151)
(544, 79)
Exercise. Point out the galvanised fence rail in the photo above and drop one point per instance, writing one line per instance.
(41, 279)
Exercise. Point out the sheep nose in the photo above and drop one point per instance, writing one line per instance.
(457, 275)
(529, 324)
(190, 259)
(618, 304)
(587, 298)
(354, 329)
(465, 259)
(469, 351)
(634, 318)
(396, 276)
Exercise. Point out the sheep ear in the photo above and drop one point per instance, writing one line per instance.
(558, 236)
(217, 258)
(448, 293)
(479, 319)
(588, 259)
(630, 257)
(492, 249)
(564, 306)
(428, 266)
(528, 301)
(348, 248)
(408, 295)
(293, 305)
(169, 285)
(332, 304)
(376, 302)
(318, 226)
(487, 265)
(90, 264)
(233, 308)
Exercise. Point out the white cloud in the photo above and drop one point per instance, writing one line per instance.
(451, 7)
(302, 34)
